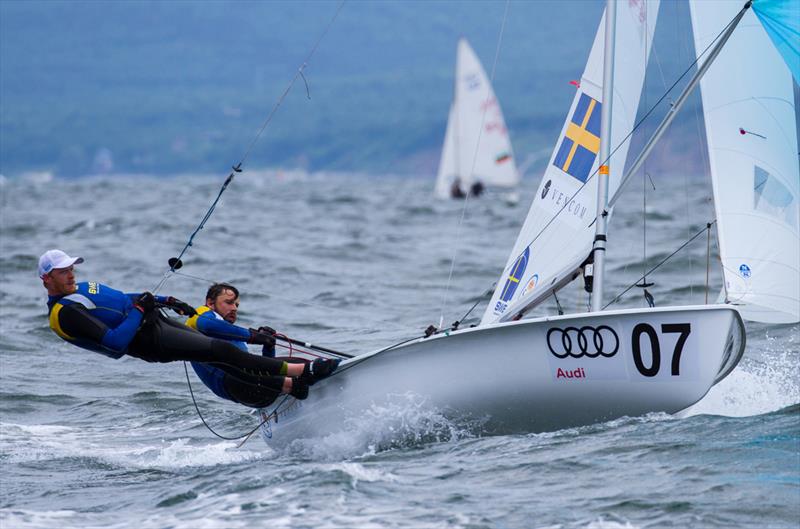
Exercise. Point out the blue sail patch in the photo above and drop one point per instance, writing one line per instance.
(515, 276)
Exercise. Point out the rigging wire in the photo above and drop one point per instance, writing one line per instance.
(708, 261)
(683, 25)
(698, 119)
(644, 284)
(176, 262)
(667, 258)
(271, 294)
(210, 429)
(630, 134)
(464, 317)
(645, 176)
(472, 169)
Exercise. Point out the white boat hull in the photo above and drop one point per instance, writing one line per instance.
(533, 375)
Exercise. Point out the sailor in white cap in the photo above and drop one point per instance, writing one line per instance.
(56, 271)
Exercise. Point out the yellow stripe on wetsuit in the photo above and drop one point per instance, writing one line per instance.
(192, 322)
(55, 324)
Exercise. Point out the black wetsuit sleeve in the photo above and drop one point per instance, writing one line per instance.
(75, 320)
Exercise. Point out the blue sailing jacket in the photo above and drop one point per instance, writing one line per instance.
(96, 317)
(211, 324)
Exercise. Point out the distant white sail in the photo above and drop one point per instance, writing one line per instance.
(476, 146)
(749, 110)
(558, 232)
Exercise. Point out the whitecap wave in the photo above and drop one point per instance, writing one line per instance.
(401, 421)
(24, 443)
(757, 385)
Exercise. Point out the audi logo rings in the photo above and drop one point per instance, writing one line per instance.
(584, 341)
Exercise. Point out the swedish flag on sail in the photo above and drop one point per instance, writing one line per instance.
(582, 140)
(514, 277)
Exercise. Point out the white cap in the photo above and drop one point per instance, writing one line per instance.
(56, 259)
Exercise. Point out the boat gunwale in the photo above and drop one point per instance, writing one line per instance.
(560, 317)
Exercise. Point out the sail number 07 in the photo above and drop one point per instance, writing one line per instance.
(655, 348)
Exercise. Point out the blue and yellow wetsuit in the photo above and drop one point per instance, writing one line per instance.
(210, 323)
(101, 319)
(224, 383)
(96, 317)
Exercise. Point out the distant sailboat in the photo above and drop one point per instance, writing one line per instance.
(580, 368)
(477, 151)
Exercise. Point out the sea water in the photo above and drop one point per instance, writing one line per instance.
(354, 263)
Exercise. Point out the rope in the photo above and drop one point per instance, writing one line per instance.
(464, 317)
(244, 436)
(472, 169)
(298, 74)
(176, 262)
(667, 258)
(271, 294)
(708, 261)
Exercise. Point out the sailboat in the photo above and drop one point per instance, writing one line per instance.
(576, 369)
(477, 151)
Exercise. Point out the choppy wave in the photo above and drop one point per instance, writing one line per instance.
(761, 384)
(401, 422)
(87, 441)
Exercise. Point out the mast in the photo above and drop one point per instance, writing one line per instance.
(601, 225)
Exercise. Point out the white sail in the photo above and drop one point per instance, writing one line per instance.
(558, 232)
(448, 163)
(477, 147)
(749, 110)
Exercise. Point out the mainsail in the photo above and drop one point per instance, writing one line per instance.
(749, 111)
(476, 145)
(557, 234)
